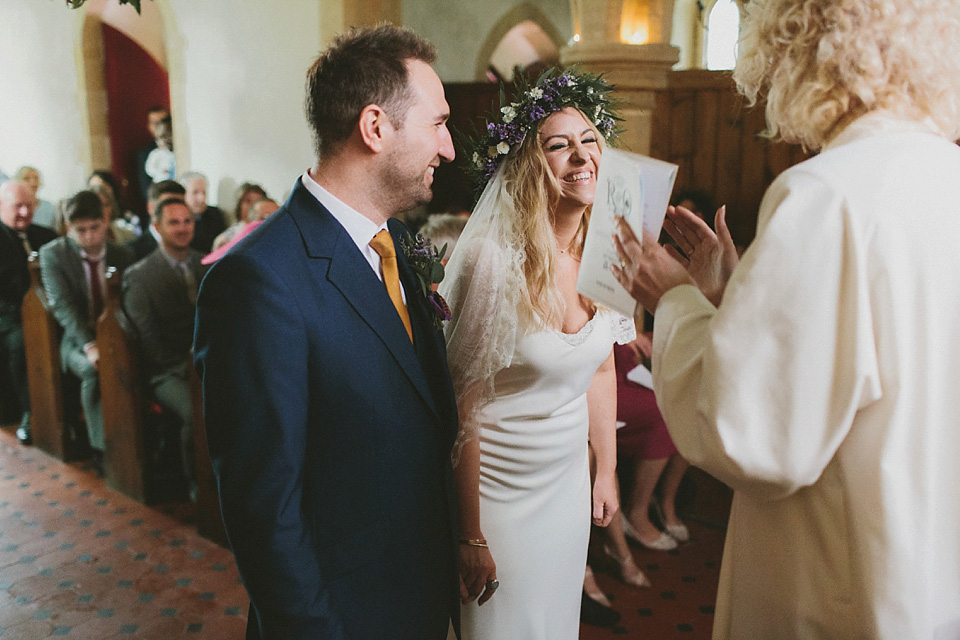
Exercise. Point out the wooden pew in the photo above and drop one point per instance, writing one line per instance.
(41, 335)
(128, 463)
(209, 520)
(121, 393)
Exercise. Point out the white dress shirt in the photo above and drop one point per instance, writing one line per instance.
(360, 228)
(100, 275)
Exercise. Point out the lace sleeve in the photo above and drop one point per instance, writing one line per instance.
(622, 328)
(482, 333)
(484, 285)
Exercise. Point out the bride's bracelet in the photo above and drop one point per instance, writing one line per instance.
(474, 542)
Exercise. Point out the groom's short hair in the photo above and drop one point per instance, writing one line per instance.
(362, 67)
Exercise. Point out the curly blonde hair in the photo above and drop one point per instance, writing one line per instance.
(821, 63)
(535, 191)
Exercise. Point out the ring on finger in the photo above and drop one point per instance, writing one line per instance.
(493, 584)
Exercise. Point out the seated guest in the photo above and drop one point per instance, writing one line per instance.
(18, 238)
(147, 242)
(160, 297)
(74, 276)
(444, 229)
(120, 229)
(248, 194)
(645, 439)
(257, 214)
(43, 210)
(103, 176)
(210, 221)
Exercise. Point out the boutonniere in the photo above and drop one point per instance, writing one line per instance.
(426, 262)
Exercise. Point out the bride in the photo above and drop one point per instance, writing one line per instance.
(532, 366)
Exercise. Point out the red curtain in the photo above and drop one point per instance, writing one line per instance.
(135, 82)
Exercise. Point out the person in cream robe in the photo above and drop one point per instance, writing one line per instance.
(820, 381)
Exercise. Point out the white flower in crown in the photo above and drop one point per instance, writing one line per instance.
(509, 113)
(596, 112)
(503, 148)
(476, 159)
(492, 151)
(536, 93)
(589, 91)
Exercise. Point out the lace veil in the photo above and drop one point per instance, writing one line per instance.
(484, 286)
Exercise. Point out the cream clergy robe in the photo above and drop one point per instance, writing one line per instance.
(826, 391)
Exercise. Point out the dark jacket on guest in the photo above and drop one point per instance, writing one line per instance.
(209, 225)
(156, 299)
(14, 277)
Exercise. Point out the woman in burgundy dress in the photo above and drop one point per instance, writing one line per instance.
(645, 440)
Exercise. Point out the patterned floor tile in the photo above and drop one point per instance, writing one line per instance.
(78, 560)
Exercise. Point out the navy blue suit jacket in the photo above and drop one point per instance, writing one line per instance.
(330, 435)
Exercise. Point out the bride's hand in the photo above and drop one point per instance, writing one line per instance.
(605, 500)
(478, 574)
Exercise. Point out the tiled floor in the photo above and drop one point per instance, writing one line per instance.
(680, 602)
(78, 560)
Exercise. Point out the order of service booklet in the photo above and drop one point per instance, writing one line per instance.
(638, 189)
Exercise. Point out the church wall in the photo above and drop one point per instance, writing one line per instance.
(459, 29)
(237, 91)
(42, 121)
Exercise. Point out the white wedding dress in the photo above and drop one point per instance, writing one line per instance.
(535, 500)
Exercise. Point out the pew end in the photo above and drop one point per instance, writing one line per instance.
(45, 377)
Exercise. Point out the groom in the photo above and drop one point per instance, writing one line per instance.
(327, 401)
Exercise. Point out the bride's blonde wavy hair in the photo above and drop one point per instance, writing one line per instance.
(821, 63)
(536, 192)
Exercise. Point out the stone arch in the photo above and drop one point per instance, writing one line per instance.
(522, 13)
(158, 37)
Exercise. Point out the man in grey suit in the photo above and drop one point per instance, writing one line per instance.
(146, 242)
(160, 297)
(74, 276)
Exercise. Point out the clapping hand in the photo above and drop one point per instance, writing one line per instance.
(646, 270)
(709, 257)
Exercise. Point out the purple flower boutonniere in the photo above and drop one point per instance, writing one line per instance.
(426, 262)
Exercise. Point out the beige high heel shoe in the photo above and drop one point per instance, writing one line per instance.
(627, 567)
(664, 542)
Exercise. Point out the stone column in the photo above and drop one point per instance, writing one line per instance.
(629, 42)
(337, 17)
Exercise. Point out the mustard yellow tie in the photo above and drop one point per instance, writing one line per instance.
(382, 243)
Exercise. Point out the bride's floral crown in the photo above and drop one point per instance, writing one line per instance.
(552, 92)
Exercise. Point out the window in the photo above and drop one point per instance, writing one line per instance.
(722, 33)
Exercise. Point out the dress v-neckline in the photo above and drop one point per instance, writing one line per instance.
(578, 338)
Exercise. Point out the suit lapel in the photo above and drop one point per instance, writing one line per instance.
(430, 347)
(351, 274)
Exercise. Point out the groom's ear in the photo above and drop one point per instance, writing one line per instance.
(374, 126)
